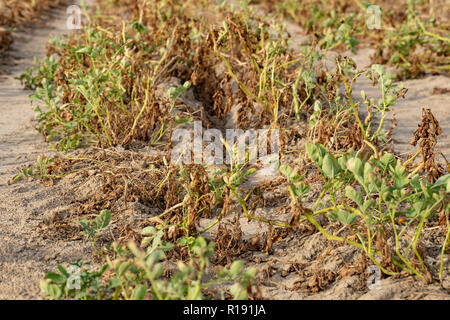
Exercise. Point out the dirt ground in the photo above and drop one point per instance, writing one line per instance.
(302, 265)
(25, 255)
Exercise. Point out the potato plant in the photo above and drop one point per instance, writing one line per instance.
(375, 193)
(136, 272)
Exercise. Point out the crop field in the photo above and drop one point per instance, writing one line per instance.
(214, 149)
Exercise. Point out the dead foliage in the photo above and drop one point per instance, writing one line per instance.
(229, 243)
(264, 242)
(20, 13)
(386, 252)
(314, 281)
(6, 39)
(346, 135)
(336, 130)
(140, 190)
(437, 90)
(426, 134)
(114, 180)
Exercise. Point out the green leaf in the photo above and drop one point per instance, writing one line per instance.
(443, 181)
(248, 173)
(317, 152)
(63, 271)
(139, 27)
(114, 283)
(56, 278)
(166, 246)
(366, 205)
(124, 266)
(355, 165)
(84, 224)
(105, 218)
(368, 169)
(300, 190)
(418, 207)
(343, 161)
(50, 290)
(139, 292)
(400, 177)
(179, 120)
(86, 50)
(425, 186)
(332, 216)
(175, 93)
(158, 270)
(148, 231)
(330, 166)
(200, 242)
(377, 68)
(238, 292)
(386, 194)
(290, 173)
(316, 114)
(186, 241)
(182, 267)
(146, 241)
(236, 268)
(354, 195)
(250, 273)
(287, 171)
(156, 256)
(54, 291)
(343, 216)
(415, 183)
(238, 178)
(363, 95)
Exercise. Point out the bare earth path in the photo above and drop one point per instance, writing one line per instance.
(24, 255)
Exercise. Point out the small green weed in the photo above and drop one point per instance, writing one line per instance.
(136, 273)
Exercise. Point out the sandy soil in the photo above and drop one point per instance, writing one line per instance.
(26, 254)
